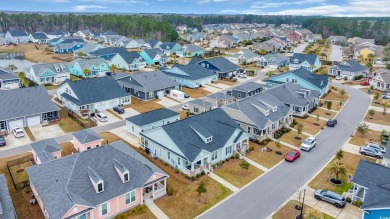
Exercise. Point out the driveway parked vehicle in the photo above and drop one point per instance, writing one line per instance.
(242, 75)
(308, 144)
(370, 152)
(335, 199)
(331, 123)
(376, 147)
(101, 117)
(364, 83)
(292, 155)
(185, 107)
(18, 132)
(339, 77)
(2, 141)
(386, 96)
(186, 95)
(119, 109)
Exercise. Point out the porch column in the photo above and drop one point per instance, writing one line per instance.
(364, 193)
(142, 195)
(153, 190)
(192, 166)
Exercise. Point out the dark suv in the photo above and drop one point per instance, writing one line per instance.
(331, 123)
(119, 109)
(2, 141)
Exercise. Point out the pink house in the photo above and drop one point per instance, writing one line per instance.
(86, 139)
(46, 150)
(97, 183)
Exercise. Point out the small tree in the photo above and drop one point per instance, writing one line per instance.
(299, 128)
(269, 73)
(317, 117)
(87, 72)
(323, 54)
(337, 170)
(278, 146)
(376, 96)
(244, 165)
(371, 113)
(113, 68)
(339, 154)
(370, 57)
(312, 213)
(329, 105)
(342, 92)
(385, 104)
(363, 128)
(201, 189)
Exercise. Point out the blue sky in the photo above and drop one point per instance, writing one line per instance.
(279, 7)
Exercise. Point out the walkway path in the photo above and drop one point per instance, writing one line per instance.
(223, 182)
(300, 48)
(255, 164)
(377, 127)
(285, 143)
(156, 210)
(351, 148)
(376, 108)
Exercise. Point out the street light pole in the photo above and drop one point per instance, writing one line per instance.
(303, 202)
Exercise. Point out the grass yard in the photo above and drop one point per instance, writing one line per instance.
(143, 107)
(361, 140)
(183, 114)
(196, 93)
(290, 138)
(74, 78)
(19, 172)
(139, 212)
(365, 90)
(288, 211)
(22, 207)
(308, 124)
(232, 172)
(67, 149)
(29, 134)
(66, 123)
(334, 95)
(335, 105)
(378, 118)
(267, 159)
(51, 87)
(227, 82)
(324, 113)
(351, 161)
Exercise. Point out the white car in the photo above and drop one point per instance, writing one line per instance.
(185, 107)
(308, 144)
(101, 117)
(386, 96)
(242, 75)
(18, 132)
(339, 77)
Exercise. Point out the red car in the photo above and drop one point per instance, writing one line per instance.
(364, 83)
(292, 155)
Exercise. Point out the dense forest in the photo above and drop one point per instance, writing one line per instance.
(161, 26)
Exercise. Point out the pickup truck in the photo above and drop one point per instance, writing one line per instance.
(386, 96)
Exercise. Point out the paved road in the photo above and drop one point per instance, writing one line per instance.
(336, 54)
(300, 48)
(261, 198)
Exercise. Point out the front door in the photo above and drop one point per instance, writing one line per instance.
(83, 216)
(205, 162)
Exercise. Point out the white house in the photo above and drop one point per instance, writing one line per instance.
(129, 61)
(16, 37)
(244, 56)
(51, 73)
(380, 79)
(307, 61)
(349, 69)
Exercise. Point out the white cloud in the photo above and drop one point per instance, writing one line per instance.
(119, 2)
(86, 7)
(202, 2)
(273, 4)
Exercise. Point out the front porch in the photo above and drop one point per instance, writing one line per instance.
(357, 193)
(154, 190)
(269, 131)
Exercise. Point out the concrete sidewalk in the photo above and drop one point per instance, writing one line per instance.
(377, 127)
(376, 108)
(351, 148)
(253, 163)
(315, 116)
(285, 143)
(156, 210)
(223, 182)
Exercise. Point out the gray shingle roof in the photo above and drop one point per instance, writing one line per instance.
(167, 45)
(147, 81)
(45, 148)
(376, 178)
(108, 51)
(200, 102)
(18, 33)
(87, 63)
(221, 63)
(220, 96)
(94, 90)
(288, 94)
(73, 39)
(57, 68)
(191, 71)
(301, 57)
(39, 35)
(152, 116)
(24, 102)
(352, 66)
(64, 182)
(320, 81)
(246, 53)
(193, 48)
(129, 57)
(385, 74)
(152, 43)
(6, 74)
(86, 136)
(153, 52)
(7, 210)
(89, 47)
(247, 87)
(63, 45)
(279, 57)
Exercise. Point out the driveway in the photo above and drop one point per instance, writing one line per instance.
(44, 132)
(211, 89)
(129, 112)
(111, 119)
(300, 48)
(336, 54)
(126, 135)
(167, 102)
(264, 196)
(13, 142)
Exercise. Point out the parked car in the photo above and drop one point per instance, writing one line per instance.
(339, 77)
(186, 95)
(2, 141)
(367, 151)
(335, 199)
(18, 132)
(101, 117)
(376, 147)
(242, 75)
(364, 83)
(119, 109)
(308, 144)
(292, 155)
(386, 96)
(185, 107)
(331, 123)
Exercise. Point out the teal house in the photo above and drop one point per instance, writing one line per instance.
(190, 50)
(96, 68)
(154, 57)
(170, 48)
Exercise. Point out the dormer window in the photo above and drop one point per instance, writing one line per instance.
(126, 177)
(210, 139)
(100, 187)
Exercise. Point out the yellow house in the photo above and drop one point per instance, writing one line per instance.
(364, 53)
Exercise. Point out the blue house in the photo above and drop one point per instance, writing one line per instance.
(55, 41)
(154, 57)
(170, 48)
(371, 186)
(107, 53)
(192, 76)
(219, 65)
(190, 50)
(302, 77)
(96, 68)
(308, 61)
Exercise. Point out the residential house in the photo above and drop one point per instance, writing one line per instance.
(303, 78)
(151, 44)
(128, 60)
(263, 47)
(50, 73)
(150, 120)
(68, 46)
(245, 90)
(219, 65)
(16, 37)
(310, 62)
(363, 50)
(198, 106)
(82, 186)
(7, 207)
(3, 41)
(204, 140)
(55, 41)
(26, 107)
(38, 37)
(89, 68)
(371, 187)
(85, 34)
(93, 94)
(129, 43)
(104, 37)
(219, 99)
(58, 34)
(244, 57)
(380, 79)
(243, 36)
(88, 48)
(45, 150)
(154, 57)
(147, 85)
(108, 52)
(190, 50)
(339, 40)
(260, 115)
(191, 75)
(224, 42)
(349, 69)
(8, 79)
(170, 48)
(275, 60)
(86, 139)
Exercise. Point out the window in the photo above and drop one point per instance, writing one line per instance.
(104, 209)
(228, 150)
(196, 110)
(178, 161)
(249, 129)
(169, 155)
(132, 128)
(214, 155)
(126, 177)
(151, 94)
(100, 187)
(238, 95)
(287, 79)
(88, 148)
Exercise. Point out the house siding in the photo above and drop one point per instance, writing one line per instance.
(138, 129)
(303, 83)
(83, 147)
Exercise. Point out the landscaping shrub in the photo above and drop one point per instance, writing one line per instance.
(285, 130)
(177, 171)
(203, 173)
(294, 123)
(357, 203)
(251, 149)
(358, 77)
(348, 199)
(312, 109)
(187, 176)
(236, 156)
(265, 141)
(305, 116)
(170, 190)
(192, 178)
(197, 176)
(326, 62)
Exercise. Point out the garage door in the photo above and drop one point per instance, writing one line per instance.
(160, 94)
(273, 66)
(203, 82)
(209, 81)
(15, 124)
(100, 106)
(112, 104)
(35, 120)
